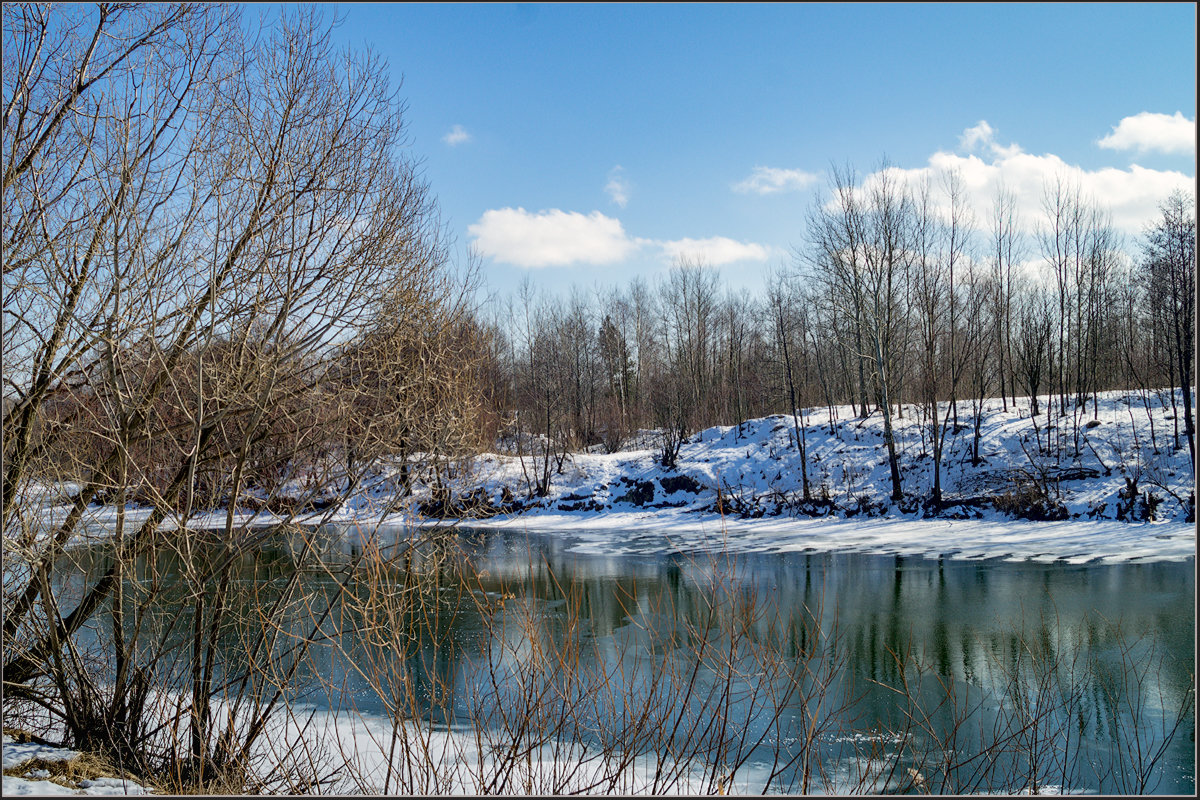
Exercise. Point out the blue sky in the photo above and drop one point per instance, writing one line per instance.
(586, 144)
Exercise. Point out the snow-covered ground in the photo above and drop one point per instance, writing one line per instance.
(757, 465)
(628, 502)
(356, 749)
(33, 780)
(351, 751)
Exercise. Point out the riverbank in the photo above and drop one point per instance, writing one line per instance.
(1119, 462)
(687, 530)
(1126, 494)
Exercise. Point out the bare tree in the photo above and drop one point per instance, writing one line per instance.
(1033, 346)
(790, 324)
(847, 256)
(204, 239)
(938, 250)
(1169, 259)
(689, 306)
(885, 256)
(1007, 252)
(1078, 241)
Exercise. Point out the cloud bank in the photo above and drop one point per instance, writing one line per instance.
(1132, 195)
(554, 237)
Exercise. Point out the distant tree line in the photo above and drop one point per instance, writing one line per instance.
(898, 300)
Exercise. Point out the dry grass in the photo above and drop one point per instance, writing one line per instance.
(228, 782)
(67, 772)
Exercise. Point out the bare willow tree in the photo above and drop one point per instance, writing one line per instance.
(204, 234)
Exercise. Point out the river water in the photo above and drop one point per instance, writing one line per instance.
(891, 673)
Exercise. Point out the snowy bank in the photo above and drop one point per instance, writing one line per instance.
(1110, 483)
(755, 469)
(1126, 494)
(30, 765)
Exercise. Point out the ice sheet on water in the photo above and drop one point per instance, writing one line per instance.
(1074, 541)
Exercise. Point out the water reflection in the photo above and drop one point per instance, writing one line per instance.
(1003, 638)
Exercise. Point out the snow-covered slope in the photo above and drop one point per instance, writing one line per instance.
(1127, 495)
(754, 470)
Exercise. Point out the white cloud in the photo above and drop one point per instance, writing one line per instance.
(550, 238)
(972, 137)
(457, 135)
(1132, 195)
(982, 137)
(715, 250)
(770, 180)
(618, 188)
(1150, 131)
(556, 238)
